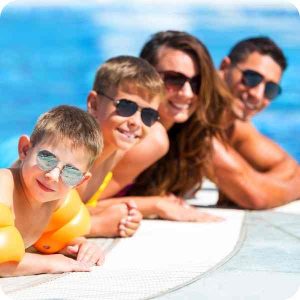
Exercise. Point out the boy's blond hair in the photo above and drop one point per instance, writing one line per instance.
(121, 71)
(69, 122)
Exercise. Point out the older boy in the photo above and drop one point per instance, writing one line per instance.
(124, 101)
(35, 194)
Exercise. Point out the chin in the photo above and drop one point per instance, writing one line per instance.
(126, 146)
(180, 119)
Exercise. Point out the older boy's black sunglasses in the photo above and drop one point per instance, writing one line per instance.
(175, 80)
(252, 78)
(127, 108)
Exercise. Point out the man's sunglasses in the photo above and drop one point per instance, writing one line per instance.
(127, 108)
(175, 81)
(47, 161)
(252, 78)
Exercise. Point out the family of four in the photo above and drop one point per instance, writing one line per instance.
(155, 127)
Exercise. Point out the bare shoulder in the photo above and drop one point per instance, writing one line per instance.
(243, 131)
(6, 186)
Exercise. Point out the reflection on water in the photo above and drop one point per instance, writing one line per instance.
(50, 54)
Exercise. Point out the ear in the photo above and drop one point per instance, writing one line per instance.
(92, 103)
(87, 176)
(225, 64)
(23, 146)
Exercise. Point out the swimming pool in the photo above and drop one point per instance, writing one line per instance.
(49, 55)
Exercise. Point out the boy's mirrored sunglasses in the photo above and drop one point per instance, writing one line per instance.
(47, 161)
(252, 78)
(127, 108)
(175, 80)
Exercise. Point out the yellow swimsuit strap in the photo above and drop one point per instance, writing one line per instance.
(92, 202)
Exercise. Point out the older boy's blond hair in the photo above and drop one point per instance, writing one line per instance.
(72, 123)
(123, 71)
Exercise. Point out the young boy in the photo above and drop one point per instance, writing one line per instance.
(37, 193)
(126, 93)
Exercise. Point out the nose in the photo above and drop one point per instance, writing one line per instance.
(53, 175)
(186, 90)
(257, 94)
(135, 120)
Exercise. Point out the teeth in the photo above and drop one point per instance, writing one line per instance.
(128, 134)
(180, 106)
(250, 105)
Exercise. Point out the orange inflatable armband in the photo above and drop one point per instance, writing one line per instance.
(70, 221)
(11, 243)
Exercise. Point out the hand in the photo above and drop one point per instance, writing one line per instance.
(130, 224)
(185, 213)
(59, 263)
(86, 252)
(175, 199)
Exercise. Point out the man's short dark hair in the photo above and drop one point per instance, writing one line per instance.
(262, 45)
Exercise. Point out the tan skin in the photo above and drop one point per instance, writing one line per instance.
(33, 195)
(120, 135)
(252, 171)
(177, 107)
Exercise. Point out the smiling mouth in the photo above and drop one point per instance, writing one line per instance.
(128, 135)
(180, 106)
(43, 187)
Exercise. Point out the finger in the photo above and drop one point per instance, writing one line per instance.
(77, 266)
(131, 204)
(83, 250)
(136, 218)
(72, 249)
(127, 232)
(204, 217)
(133, 212)
(132, 225)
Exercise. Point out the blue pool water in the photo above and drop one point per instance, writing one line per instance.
(49, 56)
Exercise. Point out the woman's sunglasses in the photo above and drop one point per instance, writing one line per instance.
(127, 108)
(175, 81)
(47, 161)
(252, 78)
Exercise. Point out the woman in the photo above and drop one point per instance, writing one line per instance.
(175, 156)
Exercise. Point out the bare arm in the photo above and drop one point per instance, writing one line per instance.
(167, 207)
(36, 264)
(136, 160)
(255, 173)
(143, 155)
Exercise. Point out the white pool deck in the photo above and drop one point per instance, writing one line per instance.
(249, 255)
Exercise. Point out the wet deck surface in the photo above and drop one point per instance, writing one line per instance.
(266, 266)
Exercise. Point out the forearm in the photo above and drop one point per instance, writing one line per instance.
(30, 264)
(256, 190)
(250, 188)
(146, 205)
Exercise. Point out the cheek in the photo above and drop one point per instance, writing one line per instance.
(145, 131)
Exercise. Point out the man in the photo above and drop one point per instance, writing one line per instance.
(251, 170)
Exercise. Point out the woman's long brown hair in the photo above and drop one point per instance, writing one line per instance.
(182, 169)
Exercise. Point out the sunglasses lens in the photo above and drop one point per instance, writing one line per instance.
(126, 108)
(195, 84)
(174, 81)
(272, 90)
(71, 176)
(149, 116)
(252, 78)
(46, 160)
